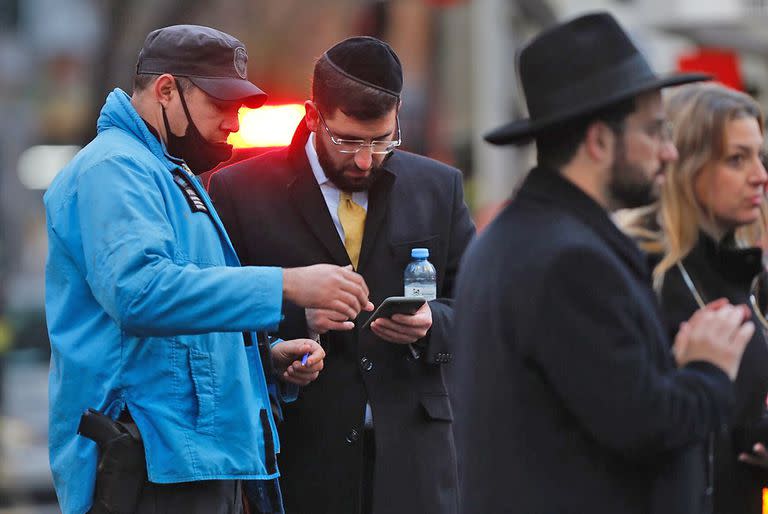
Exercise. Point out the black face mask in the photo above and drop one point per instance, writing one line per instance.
(200, 154)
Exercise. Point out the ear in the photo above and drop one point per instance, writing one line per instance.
(312, 118)
(164, 88)
(599, 142)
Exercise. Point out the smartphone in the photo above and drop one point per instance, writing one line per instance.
(396, 305)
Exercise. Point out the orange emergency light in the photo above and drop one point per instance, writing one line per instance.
(267, 127)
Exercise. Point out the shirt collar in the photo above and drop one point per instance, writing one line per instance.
(314, 162)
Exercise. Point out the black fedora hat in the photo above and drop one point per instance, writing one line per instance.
(576, 68)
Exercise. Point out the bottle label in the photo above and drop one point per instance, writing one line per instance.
(426, 291)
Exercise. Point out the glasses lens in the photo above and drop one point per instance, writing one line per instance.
(382, 147)
(377, 147)
(349, 146)
(667, 131)
(661, 130)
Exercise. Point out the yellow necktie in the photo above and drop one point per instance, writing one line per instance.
(352, 218)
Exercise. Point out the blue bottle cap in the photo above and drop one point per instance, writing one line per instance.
(419, 253)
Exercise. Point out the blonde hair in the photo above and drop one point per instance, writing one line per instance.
(699, 113)
(642, 225)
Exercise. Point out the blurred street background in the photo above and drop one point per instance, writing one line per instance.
(59, 59)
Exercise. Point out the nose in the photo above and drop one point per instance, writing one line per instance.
(364, 158)
(668, 152)
(231, 123)
(760, 175)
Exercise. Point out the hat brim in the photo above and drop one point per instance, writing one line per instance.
(522, 131)
(231, 89)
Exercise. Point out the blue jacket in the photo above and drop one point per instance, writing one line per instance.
(146, 303)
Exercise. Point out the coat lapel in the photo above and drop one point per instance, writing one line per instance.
(378, 200)
(307, 198)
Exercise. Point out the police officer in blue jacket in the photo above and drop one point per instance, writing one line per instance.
(149, 312)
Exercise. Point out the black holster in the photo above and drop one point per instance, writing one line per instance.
(122, 468)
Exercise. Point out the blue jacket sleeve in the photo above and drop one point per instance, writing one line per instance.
(137, 269)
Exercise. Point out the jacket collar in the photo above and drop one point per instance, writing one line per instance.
(739, 265)
(118, 112)
(548, 186)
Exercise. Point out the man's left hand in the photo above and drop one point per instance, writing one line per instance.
(287, 356)
(404, 328)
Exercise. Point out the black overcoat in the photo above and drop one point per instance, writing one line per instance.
(722, 271)
(275, 214)
(573, 405)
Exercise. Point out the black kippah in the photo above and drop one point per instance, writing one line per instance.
(368, 61)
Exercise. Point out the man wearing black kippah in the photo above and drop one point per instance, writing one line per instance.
(373, 433)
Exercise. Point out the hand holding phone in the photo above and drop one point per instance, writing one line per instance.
(395, 305)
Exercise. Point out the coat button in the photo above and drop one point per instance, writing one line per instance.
(353, 436)
(366, 364)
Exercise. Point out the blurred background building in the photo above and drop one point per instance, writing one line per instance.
(59, 59)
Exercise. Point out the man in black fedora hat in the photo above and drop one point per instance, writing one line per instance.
(150, 315)
(373, 434)
(575, 403)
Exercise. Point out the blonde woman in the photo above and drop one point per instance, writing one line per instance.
(711, 215)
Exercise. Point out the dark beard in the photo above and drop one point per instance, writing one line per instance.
(336, 175)
(629, 188)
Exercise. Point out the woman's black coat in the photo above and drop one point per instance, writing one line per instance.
(722, 271)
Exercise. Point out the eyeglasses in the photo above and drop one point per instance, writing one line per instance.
(352, 146)
(661, 130)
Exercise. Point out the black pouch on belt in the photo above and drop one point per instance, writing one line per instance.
(122, 469)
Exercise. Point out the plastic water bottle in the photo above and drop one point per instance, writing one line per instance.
(420, 277)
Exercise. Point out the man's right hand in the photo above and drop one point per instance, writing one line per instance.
(320, 321)
(718, 336)
(326, 286)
